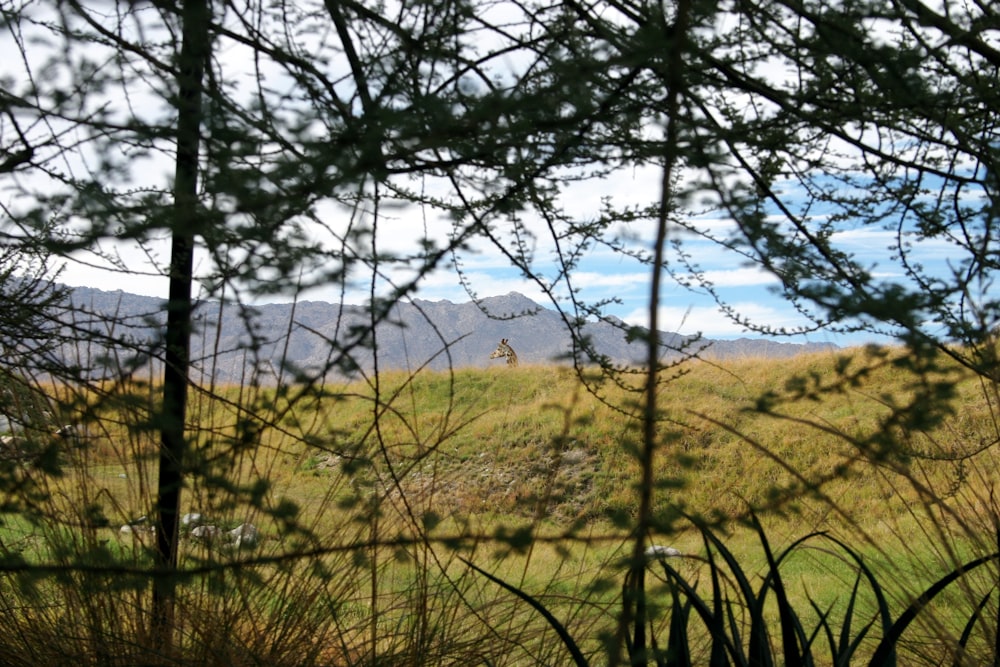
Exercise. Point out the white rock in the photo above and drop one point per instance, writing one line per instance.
(206, 532)
(660, 552)
(244, 536)
(137, 529)
(191, 519)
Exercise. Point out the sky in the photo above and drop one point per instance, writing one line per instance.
(602, 274)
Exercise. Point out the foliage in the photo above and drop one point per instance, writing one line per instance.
(736, 630)
(271, 146)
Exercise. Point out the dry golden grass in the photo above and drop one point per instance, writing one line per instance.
(366, 499)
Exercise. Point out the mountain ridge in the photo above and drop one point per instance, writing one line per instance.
(232, 340)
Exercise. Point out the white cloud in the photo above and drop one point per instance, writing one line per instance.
(740, 277)
(864, 237)
(712, 323)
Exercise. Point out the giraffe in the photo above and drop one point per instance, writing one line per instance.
(505, 350)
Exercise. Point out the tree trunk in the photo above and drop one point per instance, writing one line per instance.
(186, 222)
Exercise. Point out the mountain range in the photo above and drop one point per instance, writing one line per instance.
(232, 340)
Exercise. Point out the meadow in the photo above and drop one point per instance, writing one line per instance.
(429, 518)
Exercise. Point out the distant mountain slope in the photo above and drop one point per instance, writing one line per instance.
(230, 339)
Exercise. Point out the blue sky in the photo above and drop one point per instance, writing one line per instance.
(602, 275)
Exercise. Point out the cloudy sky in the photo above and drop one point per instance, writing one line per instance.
(602, 275)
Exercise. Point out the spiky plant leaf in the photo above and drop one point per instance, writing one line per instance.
(758, 647)
(885, 651)
(963, 641)
(564, 636)
(678, 653)
(792, 635)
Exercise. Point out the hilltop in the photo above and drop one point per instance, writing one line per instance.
(233, 338)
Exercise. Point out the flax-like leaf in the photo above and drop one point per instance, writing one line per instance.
(847, 646)
(758, 649)
(792, 636)
(823, 625)
(845, 628)
(717, 657)
(714, 622)
(564, 636)
(963, 641)
(885, 652)
(882, 604)
(678, 652)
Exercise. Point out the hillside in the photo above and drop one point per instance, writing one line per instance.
(231, 339)
(541, 436)
(534, 479)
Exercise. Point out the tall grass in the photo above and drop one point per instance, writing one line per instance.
(485, 517)
(738, 622)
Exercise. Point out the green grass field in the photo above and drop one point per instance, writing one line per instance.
(368, 499)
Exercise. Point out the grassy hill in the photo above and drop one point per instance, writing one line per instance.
(369, 494)
(786, 434)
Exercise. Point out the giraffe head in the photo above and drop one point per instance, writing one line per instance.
(506, 351)
(501, 350)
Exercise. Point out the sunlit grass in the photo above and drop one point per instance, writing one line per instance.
(367, 500)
